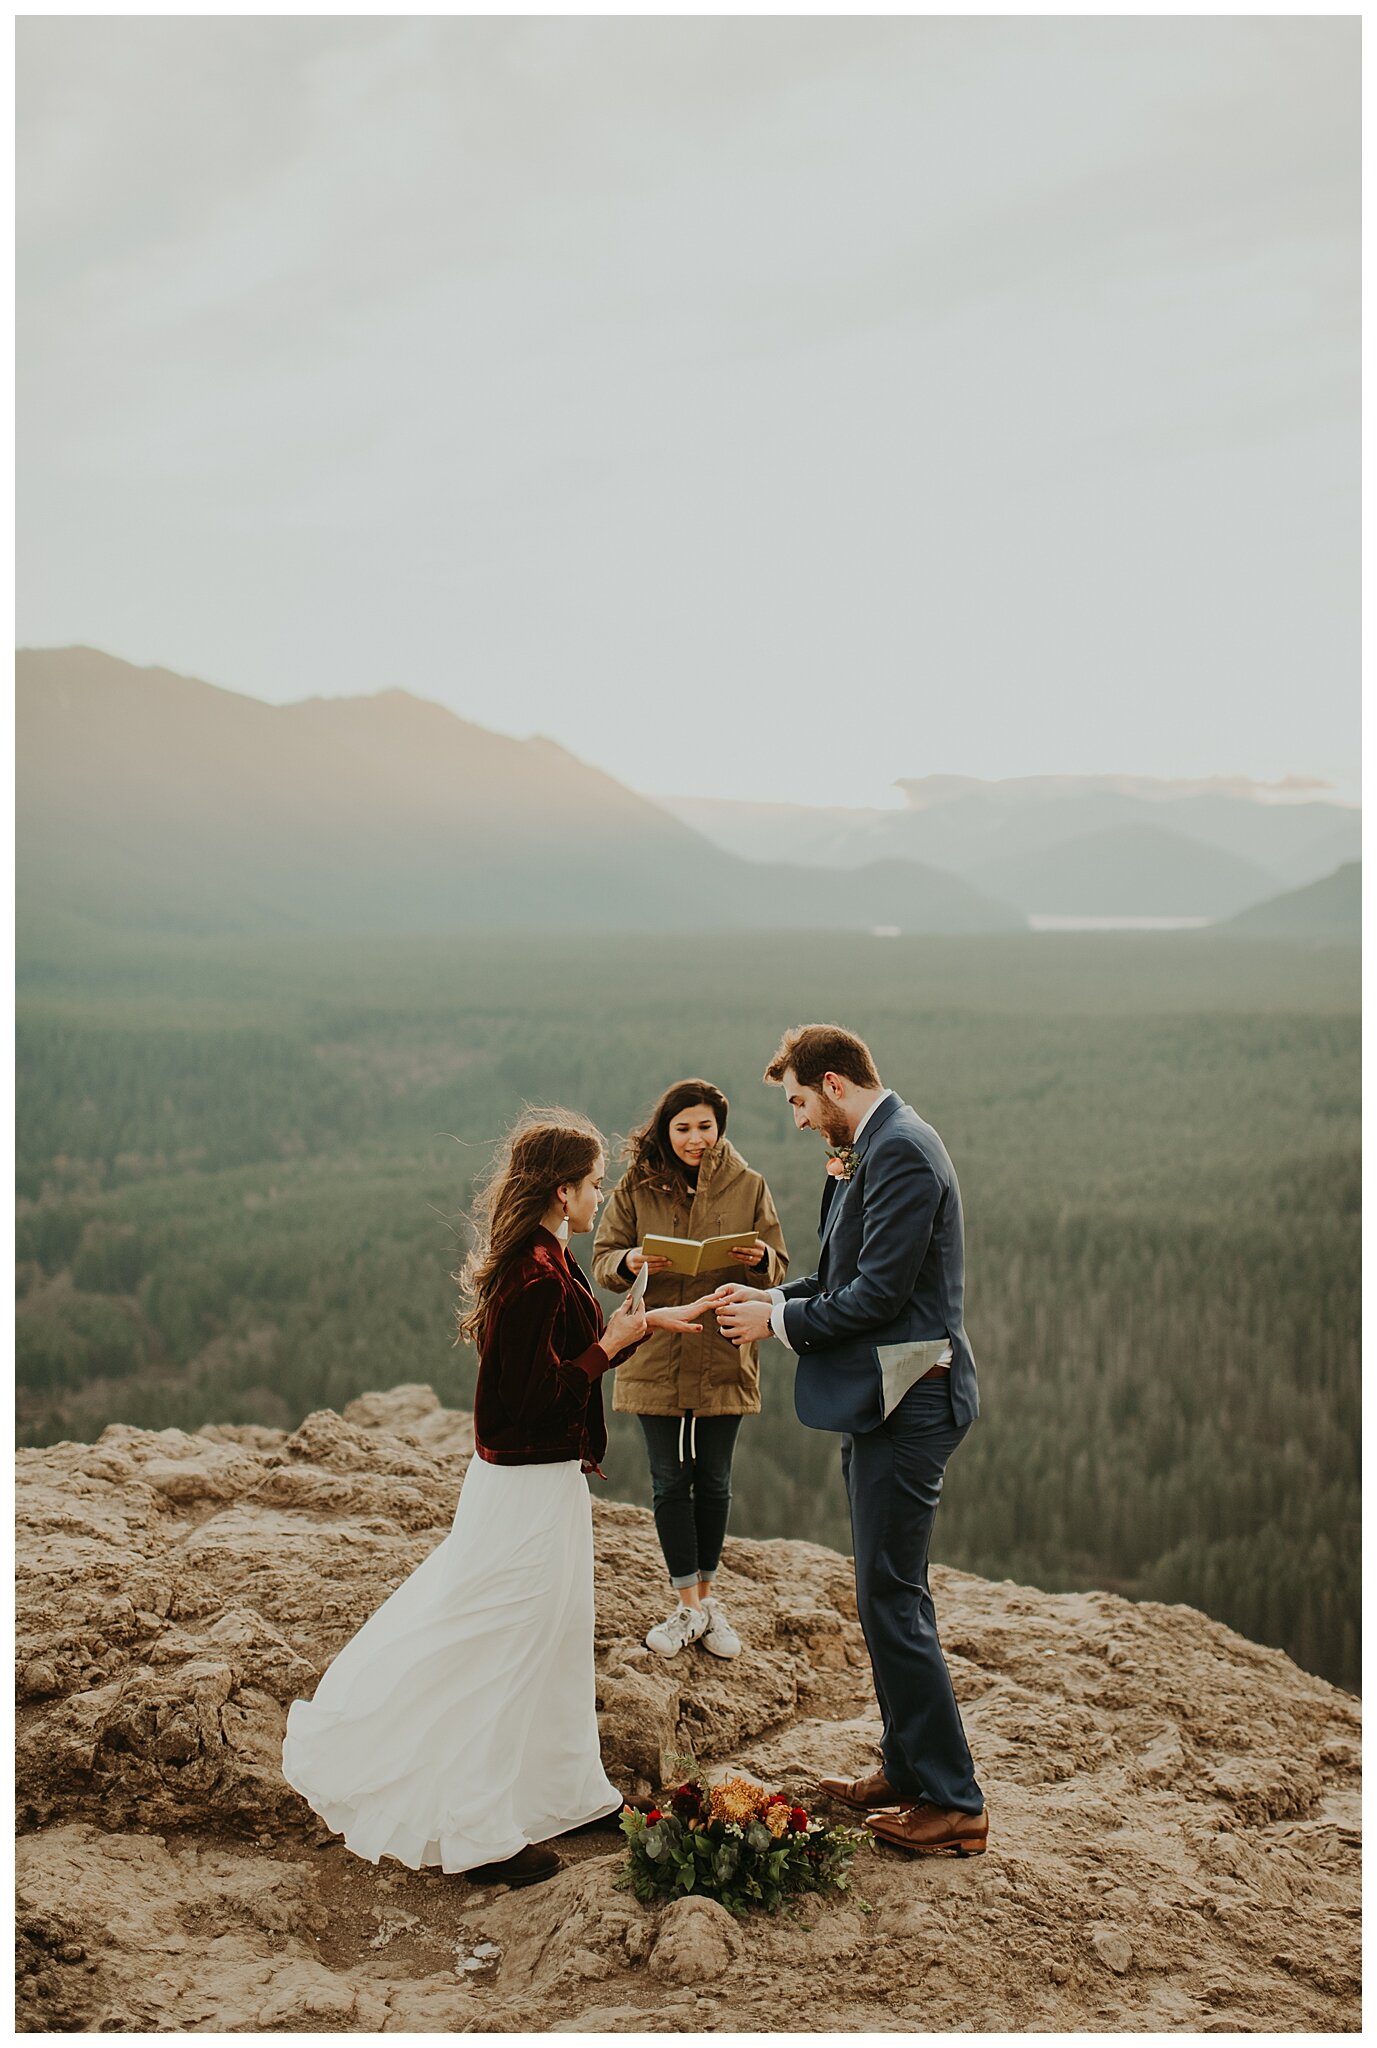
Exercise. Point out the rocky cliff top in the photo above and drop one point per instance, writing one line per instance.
(1174, 1811)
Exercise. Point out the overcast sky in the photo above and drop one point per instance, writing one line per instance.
(760, 407)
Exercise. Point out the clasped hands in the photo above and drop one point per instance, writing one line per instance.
(743, 1313)
(743, 1316)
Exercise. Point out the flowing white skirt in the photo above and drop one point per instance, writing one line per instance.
(460, 1723)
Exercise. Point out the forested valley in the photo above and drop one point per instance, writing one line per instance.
(243, 1169)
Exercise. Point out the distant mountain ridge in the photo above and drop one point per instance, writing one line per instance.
(923, 792)
(1171, 849)
(1127, 870)
(155, 799)
(1330, 909)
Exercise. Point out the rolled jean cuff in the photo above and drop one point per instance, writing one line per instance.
(679, 1580)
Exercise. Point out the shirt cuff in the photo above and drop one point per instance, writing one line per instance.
(777, 1317)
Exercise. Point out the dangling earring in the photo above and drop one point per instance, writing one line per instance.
(562, 1227)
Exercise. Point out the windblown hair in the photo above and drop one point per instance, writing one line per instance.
(651, 1161)
(545, 1149)
(813, 1050)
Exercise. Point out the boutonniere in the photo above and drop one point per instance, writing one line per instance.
(842, 1161)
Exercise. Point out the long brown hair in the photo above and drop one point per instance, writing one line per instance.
(651, 1160)
(544, 1149)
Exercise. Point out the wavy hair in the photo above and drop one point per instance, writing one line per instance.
(651, 1161)
(544, 1150)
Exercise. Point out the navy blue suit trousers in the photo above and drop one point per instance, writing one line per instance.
(893, 1482)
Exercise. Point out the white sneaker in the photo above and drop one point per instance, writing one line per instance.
(671, 1635)
(719, 1636)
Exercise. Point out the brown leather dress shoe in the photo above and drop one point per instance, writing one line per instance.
(531, 1865)
(931, 1830)
(875, 1790)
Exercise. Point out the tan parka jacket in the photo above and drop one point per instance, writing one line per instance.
(673, 1372)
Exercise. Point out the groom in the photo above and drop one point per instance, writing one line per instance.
(883, 1358)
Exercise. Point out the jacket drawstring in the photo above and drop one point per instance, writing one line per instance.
(692, 1421)
(682, 1420)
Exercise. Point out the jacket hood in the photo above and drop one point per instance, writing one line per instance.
(720, 1165)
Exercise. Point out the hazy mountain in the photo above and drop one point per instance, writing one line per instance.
(970, 828)
(1331, 909)
(1131, 871)
(1316, 859)
(151, 797)
(812, 835)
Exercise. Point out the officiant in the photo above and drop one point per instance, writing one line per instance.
(683, 1178)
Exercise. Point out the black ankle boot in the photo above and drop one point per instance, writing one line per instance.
(531, 1865)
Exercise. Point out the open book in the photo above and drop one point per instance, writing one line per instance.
(697, 1255)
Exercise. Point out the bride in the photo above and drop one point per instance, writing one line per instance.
(458, 1727)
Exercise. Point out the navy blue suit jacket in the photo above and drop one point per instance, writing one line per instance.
(891, 1270)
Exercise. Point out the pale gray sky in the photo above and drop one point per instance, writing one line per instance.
(702, 391)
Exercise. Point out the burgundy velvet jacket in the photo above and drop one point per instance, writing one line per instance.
(539, 1401)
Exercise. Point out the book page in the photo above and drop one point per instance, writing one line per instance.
(691, 1255)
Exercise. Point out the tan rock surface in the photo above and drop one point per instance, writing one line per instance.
(1174, 1811)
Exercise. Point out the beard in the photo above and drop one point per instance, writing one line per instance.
(832, 1119)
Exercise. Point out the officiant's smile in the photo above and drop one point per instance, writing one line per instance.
(692, 1133)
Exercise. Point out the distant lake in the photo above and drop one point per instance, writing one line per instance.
(1042, 922)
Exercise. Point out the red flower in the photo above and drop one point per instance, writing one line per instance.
(798, 1819)
(687, 1802)
(777, 1799)
(653, 1815)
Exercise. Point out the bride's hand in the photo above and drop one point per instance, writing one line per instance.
(673, 1319)
(626, 1325)
(699, 1307)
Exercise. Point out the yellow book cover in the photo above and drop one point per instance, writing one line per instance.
(692, 1255)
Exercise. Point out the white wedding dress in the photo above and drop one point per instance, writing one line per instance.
(460, 1723)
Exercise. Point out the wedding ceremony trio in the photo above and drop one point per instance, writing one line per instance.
(458, 1727)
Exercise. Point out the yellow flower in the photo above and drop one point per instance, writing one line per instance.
(736, 1799)
(776, 1819)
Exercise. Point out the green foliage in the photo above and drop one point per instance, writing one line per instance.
(67, 1340)
(745, 1864)
(49, 1232)
(243, 1169)
(47, 1354)
(109, 1258)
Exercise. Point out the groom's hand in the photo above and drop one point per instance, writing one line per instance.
(743, 1313)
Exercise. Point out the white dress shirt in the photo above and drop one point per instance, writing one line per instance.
(777, 1293)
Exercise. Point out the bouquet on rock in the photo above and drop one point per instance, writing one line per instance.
(735, 1842)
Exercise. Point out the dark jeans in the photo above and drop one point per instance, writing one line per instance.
(894, 1481)
(692, 1495)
